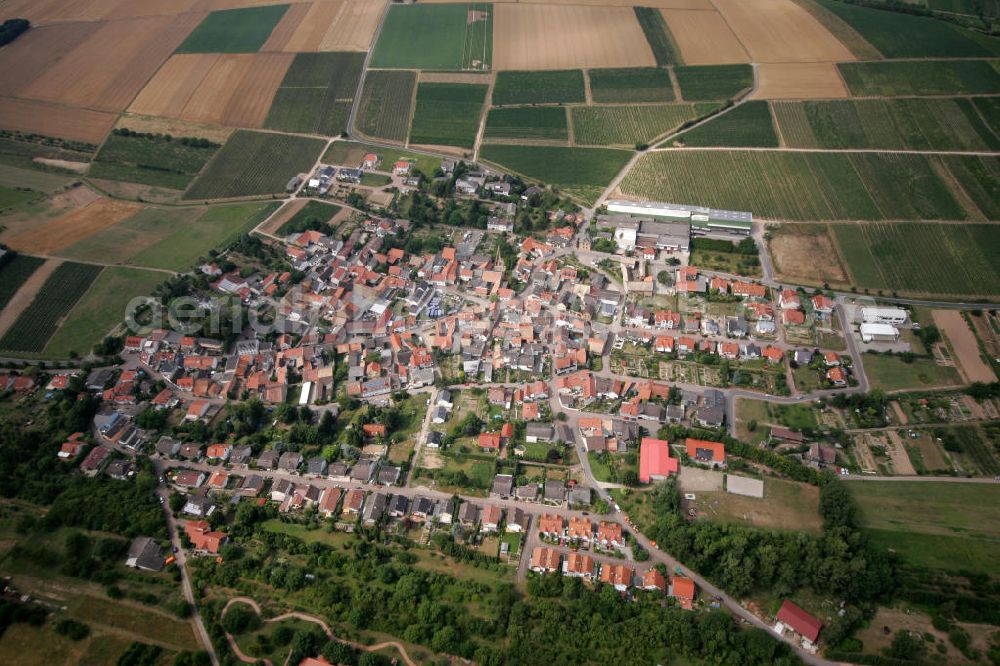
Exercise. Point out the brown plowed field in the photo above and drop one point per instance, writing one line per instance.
(73, 227)
(65, 122)
(230, 89)
(964, 343)
(704, 38)
(781, 31)
(42, 12)
(317, 23)
(28, 56)
(563, 37)
(809, 80)
(107, 70)
(354, 27)
(286, 27)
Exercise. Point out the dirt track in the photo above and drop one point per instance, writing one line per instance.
(562, 37)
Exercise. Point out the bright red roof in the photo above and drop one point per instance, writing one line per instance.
(801, 622)
(655, 460)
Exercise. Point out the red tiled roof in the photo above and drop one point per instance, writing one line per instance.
(799, 621)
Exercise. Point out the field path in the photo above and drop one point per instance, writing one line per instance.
(482, 118)
(26, 294)
(760, 149)
(310, 618)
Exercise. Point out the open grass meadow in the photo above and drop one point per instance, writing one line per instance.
(37, 323)
(658, 35)
(951, 526)
(922, 257)
(13, 273)
(898, 35)
(713, 82)
(255, 163)
(13, 198)
(544, 122)
(152, 161)
(128, 238)
(217, 227)
(562, 86)
(316, 94)
(786, 505)
(979, 177)
(234, 30)
(443, 37)
(313, 211)
(582, 172)
(384, 110)
(630, 84)
(447, 114)
(912, 124)
(798, 186)
(631, 125)
(891, 373)
(100, 309)
(747, 125)
(920, 77)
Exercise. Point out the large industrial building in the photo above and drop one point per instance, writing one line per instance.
(879, 333)
(631, 233)
(893, 316)
(702, 220)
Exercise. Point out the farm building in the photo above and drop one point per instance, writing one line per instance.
(701, 219)
(884, 315)
(792, 617)
(879, 333)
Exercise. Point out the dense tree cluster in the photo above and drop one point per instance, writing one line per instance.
(11, 29)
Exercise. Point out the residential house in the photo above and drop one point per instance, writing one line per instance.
(144, 553)
(203, 538)
(682, 589)
(579, 565)
(792, 617)
(617, 575)
(545, 560)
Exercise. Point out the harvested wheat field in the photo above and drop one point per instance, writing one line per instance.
(354, 28)
(107, 70)
(806, 252)
(24, 115)
(213, 5)
(704, 38)
(561, 37)
(231, 89)
(781, 31)
(809, 80)
(31, 54)
(964, 344)
(310, 23)
(173, 127)
(42, 12)
(49, 238)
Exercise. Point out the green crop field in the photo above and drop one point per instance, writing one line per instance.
(234, 30)
(582, 172)
(555, 87)
(219, 226)
(922, 257)
(101, 309)
(899, 35)
(384, 111)
(798, 186)
(749, 124)
(979, 177)
(313, 212)
(953, 526)
(712, 82)
(661, 41)
(630, 125)
(316, 94)
(968, 7)
(917, 124)
(151, 161)
(930, 77)
(37, 323)
(15, 272)
(447, 114)
(989, 109)
(436, 37)
(545, 122)
(630, 84)
(255, 163)
(123, 241)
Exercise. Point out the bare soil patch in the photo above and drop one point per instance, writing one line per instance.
(897, 454)
(50, 11)
(781, 31)
(308, 35)
(284, 214)
(354, 28)
(30, 55)
(24, 115)
(63, 231)
(798, 253)
(965, 346)
(229, 89)
(704, 38)
(23, 297)
(800, 81)
(564, 37)
(78, 167)
(898, 411)
(107, 70)
(286, 28)
(696, 480)
(449, 150)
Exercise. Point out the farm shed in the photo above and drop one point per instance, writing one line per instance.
(879, 333)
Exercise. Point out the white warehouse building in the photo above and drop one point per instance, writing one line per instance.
(894, 316)
(879, 333)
